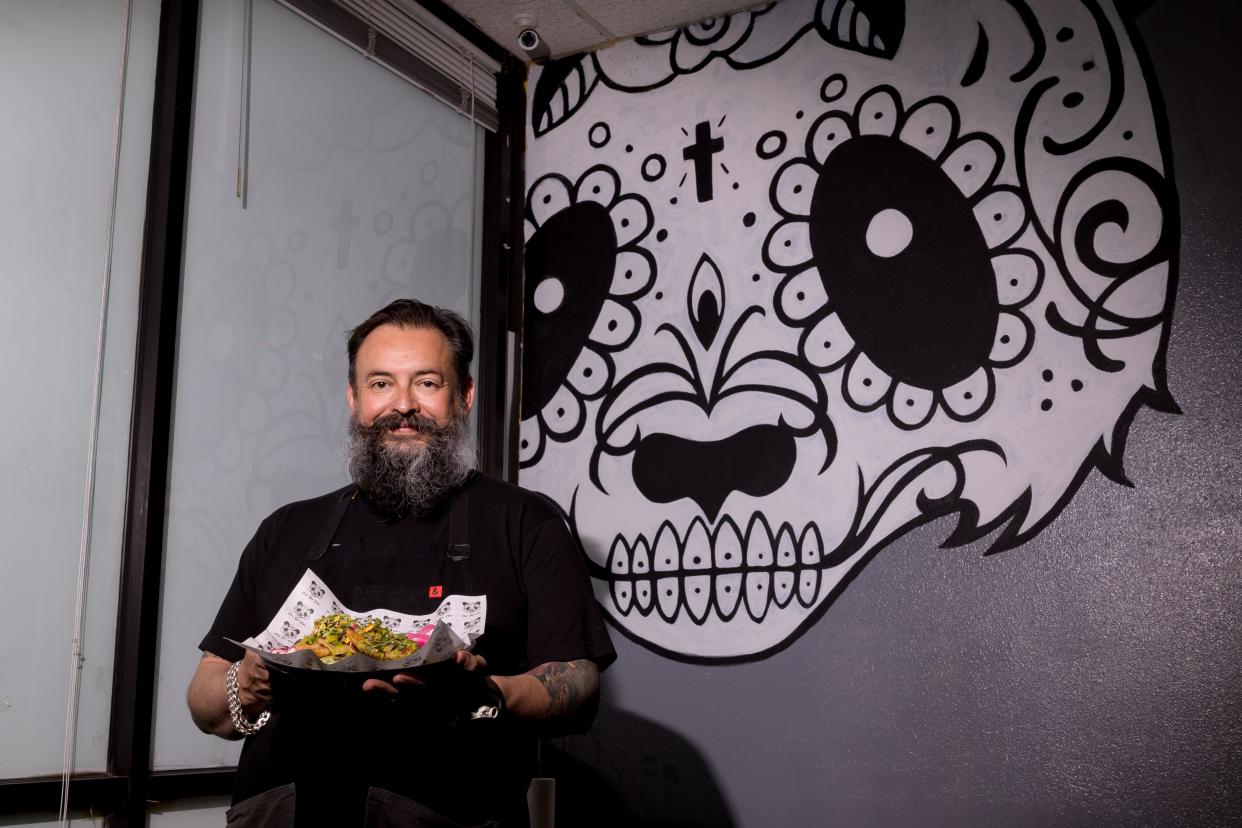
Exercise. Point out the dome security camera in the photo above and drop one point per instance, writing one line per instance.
(528, 39)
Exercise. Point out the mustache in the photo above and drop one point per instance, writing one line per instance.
(418, 421)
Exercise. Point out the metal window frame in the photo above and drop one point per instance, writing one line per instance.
(125, 793)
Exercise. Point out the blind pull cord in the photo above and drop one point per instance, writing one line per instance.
(76, 658)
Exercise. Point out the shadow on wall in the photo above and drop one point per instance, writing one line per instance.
(631, 771)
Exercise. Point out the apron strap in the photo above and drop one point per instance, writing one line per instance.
(459, 528)
(328, 531)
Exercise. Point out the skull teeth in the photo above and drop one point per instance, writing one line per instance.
(700, 573)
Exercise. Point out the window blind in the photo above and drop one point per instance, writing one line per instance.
(414, 44)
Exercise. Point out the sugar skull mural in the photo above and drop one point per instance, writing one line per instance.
(802, 278)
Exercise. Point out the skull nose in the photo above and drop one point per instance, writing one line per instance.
(755, 461)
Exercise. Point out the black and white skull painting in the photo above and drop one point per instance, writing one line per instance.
(803, 278)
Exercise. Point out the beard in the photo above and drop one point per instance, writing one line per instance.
(409, 476)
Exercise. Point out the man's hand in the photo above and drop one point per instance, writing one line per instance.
(254, 688)
(553, 690)
(208, 698)
(469, 662)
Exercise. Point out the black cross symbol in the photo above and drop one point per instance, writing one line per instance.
(701, 152)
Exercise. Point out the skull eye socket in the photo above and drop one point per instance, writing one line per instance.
(899, 249)
(569, 268)
(586, 267)
(904, 261)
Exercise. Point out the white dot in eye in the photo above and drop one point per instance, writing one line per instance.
(549, 294)
(889, 233)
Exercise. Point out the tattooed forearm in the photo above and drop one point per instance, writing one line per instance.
(568, 684)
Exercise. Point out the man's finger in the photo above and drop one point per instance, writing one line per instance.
(252, 672)
(408, 679)
(377, 686)
(470, 661)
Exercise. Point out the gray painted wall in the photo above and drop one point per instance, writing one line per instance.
(1090, 676)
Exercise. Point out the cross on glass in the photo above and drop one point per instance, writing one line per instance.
(344, 225)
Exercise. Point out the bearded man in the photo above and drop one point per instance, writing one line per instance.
(418, 524)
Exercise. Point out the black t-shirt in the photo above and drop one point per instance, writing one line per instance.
(333, 742)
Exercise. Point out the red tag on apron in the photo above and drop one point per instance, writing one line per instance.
(435, 592)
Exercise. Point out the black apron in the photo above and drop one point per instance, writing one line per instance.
(411, 579)
(404, 577)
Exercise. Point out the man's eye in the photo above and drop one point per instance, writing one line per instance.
(379, 385)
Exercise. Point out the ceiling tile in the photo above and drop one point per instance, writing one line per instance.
(569, 26)
(560, 28)
(629, 19)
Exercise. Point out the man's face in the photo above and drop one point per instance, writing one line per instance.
(403, 371)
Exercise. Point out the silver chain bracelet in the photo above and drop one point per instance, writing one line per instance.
(240, 723)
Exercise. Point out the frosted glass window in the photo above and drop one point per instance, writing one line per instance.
(198, 812)
(361, 189)
(60, 86)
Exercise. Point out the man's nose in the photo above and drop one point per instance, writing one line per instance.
(406, 401)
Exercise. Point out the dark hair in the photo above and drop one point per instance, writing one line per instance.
(410, 313)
